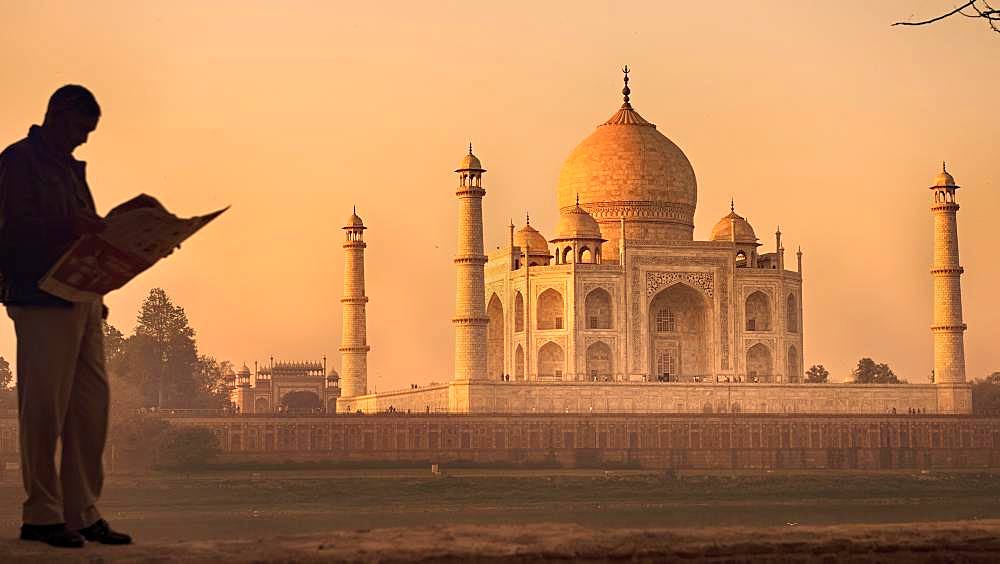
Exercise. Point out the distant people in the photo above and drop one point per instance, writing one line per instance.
(62, 385)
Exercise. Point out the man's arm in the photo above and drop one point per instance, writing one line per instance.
(24, 219)
(32, 234)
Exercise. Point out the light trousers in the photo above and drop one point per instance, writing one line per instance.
(62, 393)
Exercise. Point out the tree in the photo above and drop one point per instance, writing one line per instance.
(8, 396)
(187, 448)
(114, 348)
(870, 372)
(817, 374)
(976, 9)
(208, 387)
(162, 354)
(137, 438)
(6, 376)
(986, 395)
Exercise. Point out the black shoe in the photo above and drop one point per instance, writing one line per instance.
(55, 535)
(103, 533)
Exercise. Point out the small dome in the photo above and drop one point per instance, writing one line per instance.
(944, 179)
(333, 375)
(576, 223)
(723, 231)
(530, 240)
(470, 162)
(245, 371)
(354, 221)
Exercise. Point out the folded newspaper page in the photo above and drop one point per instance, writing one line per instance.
(133, 240)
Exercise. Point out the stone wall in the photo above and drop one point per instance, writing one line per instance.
(696, 441)
(649, 397)
(657, 397)
(425, 399)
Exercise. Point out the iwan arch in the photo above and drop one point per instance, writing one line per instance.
(623, 311)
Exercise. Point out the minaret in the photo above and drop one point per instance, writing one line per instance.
(470, 289)
(948, 328)
(353, 341)
(780, 250)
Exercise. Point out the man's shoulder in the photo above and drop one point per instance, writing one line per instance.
(17, 151)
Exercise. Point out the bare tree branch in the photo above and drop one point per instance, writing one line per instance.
(986, 12)
(951, 13)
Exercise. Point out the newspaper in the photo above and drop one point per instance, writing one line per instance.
(137, 234)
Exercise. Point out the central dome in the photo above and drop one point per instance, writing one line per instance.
(627, 168)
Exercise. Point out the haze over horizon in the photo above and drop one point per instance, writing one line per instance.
(821, 118)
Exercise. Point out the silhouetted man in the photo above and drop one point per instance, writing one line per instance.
(62, 386)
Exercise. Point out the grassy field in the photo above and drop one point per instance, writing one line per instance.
(247, 504)
(243, 506)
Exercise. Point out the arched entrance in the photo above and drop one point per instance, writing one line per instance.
(519, 363)
(792, 314)
(794, 373)
(758, 312)
(679, 335)
(599, 364)
(494, 339)
(518, 313)
(760, 365)
(597, 309)
(551, 361)
(301, 401)
(550, 310)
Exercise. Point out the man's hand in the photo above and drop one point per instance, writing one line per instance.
(138, 202)
(171, 251)
(87, 223)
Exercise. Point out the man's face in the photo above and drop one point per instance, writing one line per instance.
(78, 128)
(73, 128)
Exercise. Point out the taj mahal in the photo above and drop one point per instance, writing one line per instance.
(622, 311)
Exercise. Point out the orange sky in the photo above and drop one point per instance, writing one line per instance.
(814, 115)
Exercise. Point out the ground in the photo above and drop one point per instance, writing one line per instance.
(517, 515)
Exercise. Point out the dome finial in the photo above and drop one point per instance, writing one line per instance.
(470, 147)
(578, 200)
(732, 204)
(626, 90)
(943, 167)
(527, 218)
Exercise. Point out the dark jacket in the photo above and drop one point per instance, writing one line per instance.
(40, 193)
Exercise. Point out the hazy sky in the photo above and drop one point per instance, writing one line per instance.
(814, 115)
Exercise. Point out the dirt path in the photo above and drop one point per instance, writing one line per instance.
(964, 541)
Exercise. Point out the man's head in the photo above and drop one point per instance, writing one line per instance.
(72, 114)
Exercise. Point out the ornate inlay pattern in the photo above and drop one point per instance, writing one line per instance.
(541, 288)
(616, 210)
(768, 291)
(591, 339)
(769, 343)
(655, 281)
(724, 323)
(557, 339)
(494, 289)
(608, 287)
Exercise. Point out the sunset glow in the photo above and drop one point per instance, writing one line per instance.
(817, 117)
